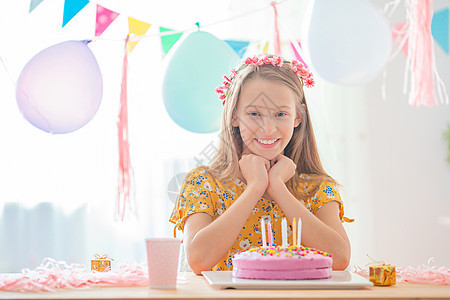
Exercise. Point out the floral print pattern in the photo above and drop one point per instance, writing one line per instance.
(201, 192)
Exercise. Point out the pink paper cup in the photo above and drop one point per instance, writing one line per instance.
(162, 261)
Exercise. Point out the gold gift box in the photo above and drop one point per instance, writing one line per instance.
(382, 275)
(101, 263)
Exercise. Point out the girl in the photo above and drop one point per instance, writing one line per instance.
(266, 166)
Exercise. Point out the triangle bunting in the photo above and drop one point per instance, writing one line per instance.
(240, 47)
(34, 4)
(167, 41)
(136, 27)
(71, 8)
(103, 19)
(440, 28)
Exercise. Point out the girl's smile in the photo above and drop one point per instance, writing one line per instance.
(266, 116)
(267, 143)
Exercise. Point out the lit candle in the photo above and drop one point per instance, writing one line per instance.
(294, 232)
(299, 232)
(284, 233)
(263, 232)
(269, 232)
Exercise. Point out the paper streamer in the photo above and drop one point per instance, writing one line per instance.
(125, 198)
(421, 274)
(420, 70)
(52, 275)
(277, 44)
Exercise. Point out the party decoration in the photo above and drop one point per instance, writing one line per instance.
(382, 275)
(138, 28)
(276, 37)
(71, 8)
(440, 28)
(60, 88)
(414, 38)
(168, 40)
(34, 4)
(103, 19)
(52, 275)
(125, 205)
(193, 68)
(101, 263)
(429, 273)
(347, 44)
(238, 46)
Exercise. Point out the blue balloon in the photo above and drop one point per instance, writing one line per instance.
(194, 67)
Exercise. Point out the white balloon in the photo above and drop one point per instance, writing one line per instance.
(347, 42)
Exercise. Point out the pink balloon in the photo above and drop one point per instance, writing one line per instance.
(60, 88)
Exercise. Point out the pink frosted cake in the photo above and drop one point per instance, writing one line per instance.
(278, 263)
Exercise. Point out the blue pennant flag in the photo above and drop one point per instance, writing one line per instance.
(440, 28)
(71, 8)
(240, 47)
(34, 4)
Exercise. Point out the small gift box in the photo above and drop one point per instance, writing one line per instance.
(382, 275)
(101, 263)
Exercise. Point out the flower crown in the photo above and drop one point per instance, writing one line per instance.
(305, 76)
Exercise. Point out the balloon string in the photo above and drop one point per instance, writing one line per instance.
(124, 202)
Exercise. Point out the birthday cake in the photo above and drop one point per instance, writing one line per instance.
(282, 263)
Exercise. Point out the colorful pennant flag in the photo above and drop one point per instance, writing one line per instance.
(104, 18)
(34, 4)
(136, 27)
(266, 48)
(440, 28)
(71, 8)
(167, 41)
(240, 47)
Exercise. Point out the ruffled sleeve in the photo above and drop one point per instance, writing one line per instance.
(194, 197)
(328, 192)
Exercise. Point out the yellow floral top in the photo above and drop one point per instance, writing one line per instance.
(202, 192)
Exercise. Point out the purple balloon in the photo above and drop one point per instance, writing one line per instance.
(60, 88)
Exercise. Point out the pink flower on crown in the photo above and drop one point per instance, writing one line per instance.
(304, 73)
(309, 82)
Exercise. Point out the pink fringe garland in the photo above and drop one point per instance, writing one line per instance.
(414, 37)
(125, 201)
(277, 43)
(52, 275)
(421, 274)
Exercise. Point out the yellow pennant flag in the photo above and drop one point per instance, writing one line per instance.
(137, 28)
(266, 47)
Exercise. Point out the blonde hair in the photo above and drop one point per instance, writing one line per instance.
(301, 149)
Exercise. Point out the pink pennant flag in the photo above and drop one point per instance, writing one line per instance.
(104, 18)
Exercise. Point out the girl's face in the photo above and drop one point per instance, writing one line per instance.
(266, 116)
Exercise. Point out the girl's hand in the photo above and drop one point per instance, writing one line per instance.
(282, 169)
(254, 170)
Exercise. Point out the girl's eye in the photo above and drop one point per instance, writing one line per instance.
(253, 114)
(281, 114)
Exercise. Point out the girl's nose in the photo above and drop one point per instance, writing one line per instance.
(269, 125)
